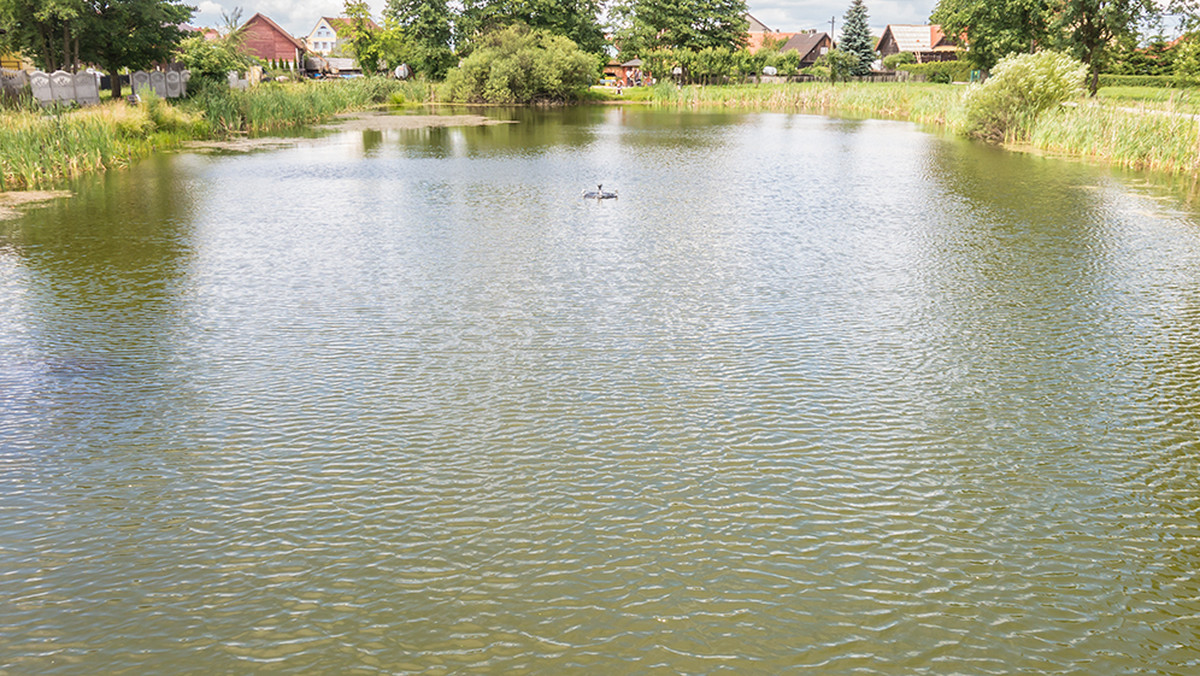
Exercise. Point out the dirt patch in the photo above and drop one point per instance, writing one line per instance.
(376, 121)
(240, 145)
(11, 202)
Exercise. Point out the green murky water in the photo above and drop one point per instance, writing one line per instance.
(812, 393)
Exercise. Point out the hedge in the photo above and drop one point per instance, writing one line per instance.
(1166, 81)
(941, 71)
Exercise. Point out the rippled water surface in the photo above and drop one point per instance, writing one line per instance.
(812, 393)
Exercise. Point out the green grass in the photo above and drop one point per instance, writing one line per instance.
(40, 148)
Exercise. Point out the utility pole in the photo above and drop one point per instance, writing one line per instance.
(832, 21)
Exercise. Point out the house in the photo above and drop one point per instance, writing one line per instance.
(265, 39)
(632, 75)
(758, 33)
(330, 33)
(927, 43)
(810, 44)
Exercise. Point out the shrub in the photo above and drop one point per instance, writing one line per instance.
(1020, 88)
(893, 61)
(943, 72)
(1163, 81)
(521, 65)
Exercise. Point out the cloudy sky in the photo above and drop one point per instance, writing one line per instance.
(299, 16)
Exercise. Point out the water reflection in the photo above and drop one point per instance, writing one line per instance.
(812, 392)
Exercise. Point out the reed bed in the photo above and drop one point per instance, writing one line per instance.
(928, 104)
(39, 148)
(1143, 138)
(1160, 136)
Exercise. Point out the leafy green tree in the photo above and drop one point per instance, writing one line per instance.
(362, 36)
(643, 25)
(132, 34)
(856, 38)
(114, 34)
(834, 66)
(417, 32)
(996, 28)
(1187, 57)
(578, 20)
(1088, 28)
(521, 65)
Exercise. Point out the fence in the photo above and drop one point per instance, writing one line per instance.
(169, 85)
(83, 88)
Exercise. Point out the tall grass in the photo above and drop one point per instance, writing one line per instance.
(41, 148)
(1159, 140)
(1161, 136)
(38, 149)
(924, 103)
(275, 106)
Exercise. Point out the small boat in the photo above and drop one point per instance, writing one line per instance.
(599, 194)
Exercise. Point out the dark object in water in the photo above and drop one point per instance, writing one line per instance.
(599, 194)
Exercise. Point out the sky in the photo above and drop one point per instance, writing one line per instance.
(300, 16)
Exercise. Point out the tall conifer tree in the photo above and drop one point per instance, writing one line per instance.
(856, 37)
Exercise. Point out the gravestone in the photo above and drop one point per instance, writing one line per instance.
(139, 80)
(87, 89)
(62, 86)
(39, 84)
(158, 82)
(183, 80)
(174, 84)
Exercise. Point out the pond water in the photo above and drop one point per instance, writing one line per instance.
(811, 393)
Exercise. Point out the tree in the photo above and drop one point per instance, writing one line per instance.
(1020, 88)
(114, 34)
(856, 38)
(577, 20)
(417, 32)
(46, 31)
(834, 65)
(132, 34)
(689, 24)
(362, 35)
(1088, 28)
(994, 29)
(521, 65)
(212, 59)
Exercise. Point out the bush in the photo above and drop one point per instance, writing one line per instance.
(893, 61)
(1020, 88)
(1163, 81)
(521, 65)
(940, 71)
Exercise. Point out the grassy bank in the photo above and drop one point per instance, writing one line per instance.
(1120, 129)
(41, 148)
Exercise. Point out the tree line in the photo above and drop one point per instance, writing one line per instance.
(1097, 32)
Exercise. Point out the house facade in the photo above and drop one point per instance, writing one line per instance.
(266, 40)
(329, 35)
(811, 46)
(927, 43)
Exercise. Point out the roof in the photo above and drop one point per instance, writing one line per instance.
(338, 23)
(756, 26)
(633, 63)
(263, 18)
(755, 41)
(805, 42)
(914, 38)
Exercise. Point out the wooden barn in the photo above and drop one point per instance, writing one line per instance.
(268, 41)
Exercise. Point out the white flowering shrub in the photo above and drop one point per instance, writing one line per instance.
(1019, 89)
